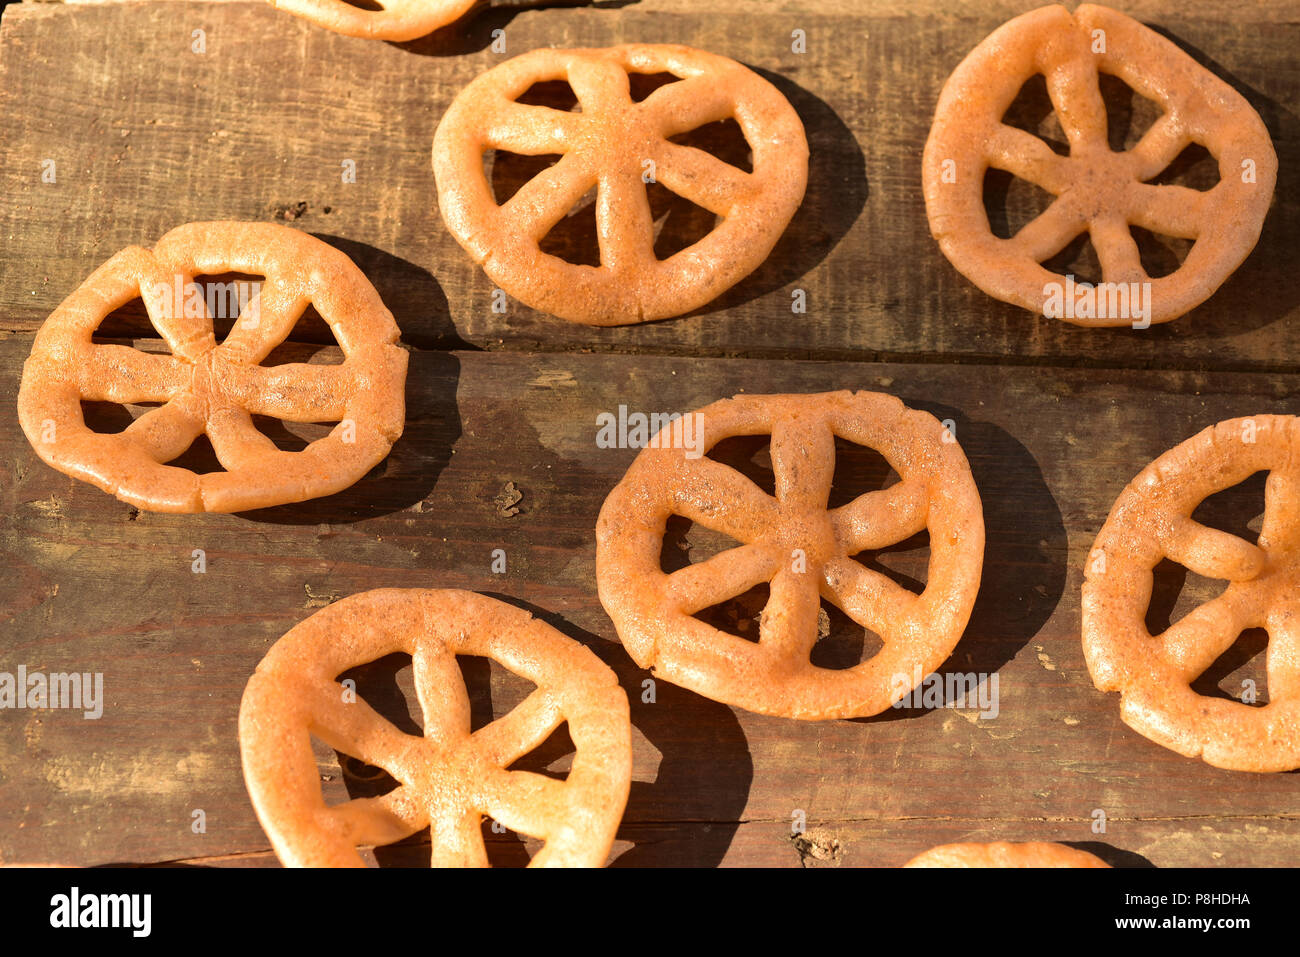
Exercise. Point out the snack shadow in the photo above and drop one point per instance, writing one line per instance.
(836, 194)
(689, 814)
(474, 31)
(1025, 550)
(411, 469)
(1114, 856)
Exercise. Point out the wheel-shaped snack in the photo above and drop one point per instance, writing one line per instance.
(1006, 854)
(448, 778)
(1097, 190)
(396, 20)
(206, 387)
(1152, 520)
(799, 546)
(613, 144)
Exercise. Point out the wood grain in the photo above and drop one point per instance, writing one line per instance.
(146, 134)
(92, 585)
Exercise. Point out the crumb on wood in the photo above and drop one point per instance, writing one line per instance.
(132, 513)
(289, 211)
(818, 847)
(319, 599)
(823, 624)
(508, 499)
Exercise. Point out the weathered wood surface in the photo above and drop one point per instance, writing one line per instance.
(92, 585)
(146, 134)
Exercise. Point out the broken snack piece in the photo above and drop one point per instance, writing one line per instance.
(448, 778)
(797, 544)
(203, 386)
(617, 147)
(1096, 189)
(1151, 521)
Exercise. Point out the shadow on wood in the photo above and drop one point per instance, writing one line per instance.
(1025, 549)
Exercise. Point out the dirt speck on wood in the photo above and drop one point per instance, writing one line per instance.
(508, 499)
(818, 847)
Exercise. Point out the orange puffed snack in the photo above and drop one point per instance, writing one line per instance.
(1152, 520)
(799, 546)
(206, 387)
(395, 20)
(618, 146)
(1097, 190)
(1005, 854)
(449, 777)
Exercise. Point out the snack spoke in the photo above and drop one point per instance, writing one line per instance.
(1076, 96)
(297, 391)
(720, 577)
(1029, 157)
(357, 729)
(720, 498)
(1283, 654)
(788, 626)
(1281, 528)
(868, 597)
(523, 728)
(702, 178)
(1176, 211)
(236, 441)
(543, 200)
(624, 226)
(803, 461)
(440, 689)
(525, 802)
(531, 130)
(1196, 640)
(688, 104)
(457, 836)
(376, 821)
(1049, 232)
(166, 432)
(187, 336)
(1212, 553)
(112, 373)
(264, 323)
(599, 84)
(1160, 145)
(882, 518)
(1117, 250)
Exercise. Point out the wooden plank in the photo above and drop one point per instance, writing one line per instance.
(92, 585)
(146, 134)
(1266, 11)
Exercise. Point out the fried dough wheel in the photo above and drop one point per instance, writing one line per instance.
(449, 777)
(1152, 520)
(396, 20)
(611, 145)
(797, 544)
(1005, 854)
(1097, 190)
(204, 386)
